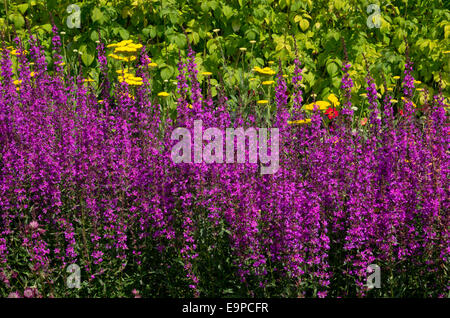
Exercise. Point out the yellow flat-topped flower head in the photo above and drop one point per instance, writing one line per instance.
(125, 49)
(320, 105)
(263, 102)
(124, 43)
(333, 99)
(299, 122)
(396, 77)
(207, 73)
(115, 56)
(268, 82)
(16, 53)
(129, 59)
(152, 64)
(124, 71)
(163, 94)
(264, 71)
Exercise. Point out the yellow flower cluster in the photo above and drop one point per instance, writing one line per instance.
(264, 71)
(129, 78)
(299, 122)
(126, 47)
(321, 105)
(16, 53)
(333, 99)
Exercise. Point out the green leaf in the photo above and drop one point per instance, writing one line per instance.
(97, 15)
(94, 36)
(236, 25)
(304, 24)
(332, 69)
(166, 73)
(87, 56)
(17, 19)
(205, 6)
(180, 40)
(124, 34)
(227, 11)
(47, 27)
(23, 8)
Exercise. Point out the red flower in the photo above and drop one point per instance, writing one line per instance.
(332, 113)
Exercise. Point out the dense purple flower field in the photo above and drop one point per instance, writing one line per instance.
(93, 183)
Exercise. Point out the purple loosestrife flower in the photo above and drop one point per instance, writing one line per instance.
(56, 43)
(297, 91)
(103, 63)
(374, 119)
(196, 94)
(346, 86)
(182, 90)
(281, 98)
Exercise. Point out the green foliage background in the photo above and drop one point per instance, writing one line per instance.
(316, 25)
